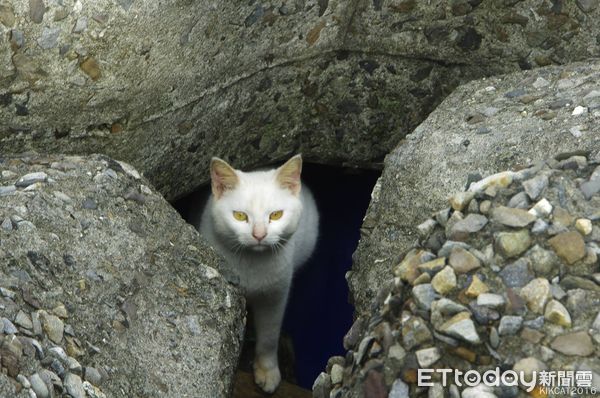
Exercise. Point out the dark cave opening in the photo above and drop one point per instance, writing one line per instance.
(318, 313)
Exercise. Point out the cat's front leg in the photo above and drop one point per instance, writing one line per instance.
(268, 310)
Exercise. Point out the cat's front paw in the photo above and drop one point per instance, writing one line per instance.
(267, 378)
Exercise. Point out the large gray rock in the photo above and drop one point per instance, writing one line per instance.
(114, 278)
(167, 85)
(521, 118)
(462, 331)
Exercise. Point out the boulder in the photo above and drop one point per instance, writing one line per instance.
(108, 284)
(521, 118)
(167, 85)
(547, 323)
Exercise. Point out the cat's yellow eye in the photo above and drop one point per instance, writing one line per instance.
(240, 216)
(276, 215)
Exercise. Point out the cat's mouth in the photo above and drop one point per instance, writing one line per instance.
(259, 246)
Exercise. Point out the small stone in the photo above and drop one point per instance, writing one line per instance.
(37, 9)
(92, 375)
(7, 224)
(399, 389)
(535, 186)
(509, 325)
(512, 217)
(95, 392)
(461, 200)
(540, 82)
(60, 311)
(557, 313)
(511, 244)
(515, 93)
(491, 300)
(424, 295)
(579, 110)
(91, 68)
(454, 391)
(444, 281)
(421, 279)
(569, 246)
(435, 391)
(337, 373)
(519, 201)
(89, 204)
(7, 190)
(536, 294)
(588, 188)
(516, 274)
(576, 131)
(561, 217)
(542, 208)
(37, 324)
(49, 38)
(584, 226)
(428, 356)
(484, 315)
(470, 224)
(529, 366)
(587, 6)
(426, 227)
(38, 386)
(596, 324)
(23, 381)
(7, 293)
(531, 335)
(374, 385)
(23, 320)
(499, 180)
(463, 261)
(415, 332)
(462, 327)
(80, 25)
(479, 391)
(484, 207)
(539, 227)
(494, 338)
(7, 15)
(322, 386)
(74, 386)
(560, 103)
(476, 287)
(9, 327)
(433, 265)
(574, 344)
(546, 353)
(31, 178)
(544, 262)
(53, 327)
(557, 292)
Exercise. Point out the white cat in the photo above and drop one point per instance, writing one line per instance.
(265, 224)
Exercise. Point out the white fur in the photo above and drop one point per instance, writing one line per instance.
(264, 269)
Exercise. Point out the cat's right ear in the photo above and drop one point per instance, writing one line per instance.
(222, 177)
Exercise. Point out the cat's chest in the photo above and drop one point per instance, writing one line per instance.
(262, 273)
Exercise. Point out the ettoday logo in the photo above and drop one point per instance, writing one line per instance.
(555, 382)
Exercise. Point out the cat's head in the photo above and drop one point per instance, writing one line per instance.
(257, 210)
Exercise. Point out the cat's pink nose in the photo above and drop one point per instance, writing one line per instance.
(259, 233)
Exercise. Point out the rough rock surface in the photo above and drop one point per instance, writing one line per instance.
(166, 85)
(549, 322)
(105, 289)
(484, 126)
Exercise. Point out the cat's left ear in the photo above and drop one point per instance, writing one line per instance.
(288, 175)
